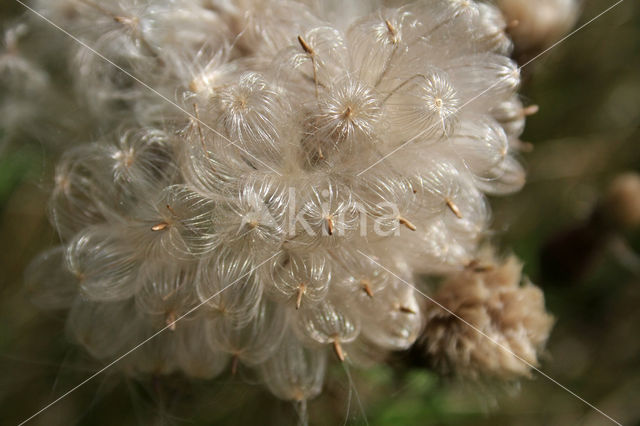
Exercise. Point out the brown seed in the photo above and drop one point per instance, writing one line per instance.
(168, 295)
(160, 227)
(329, 221)
(348, 112)
(312, 54)
(366, 287)
(526, 146)
(171, 320)
(301, 289)
(476, 266)
(305, 46)
(392, 30)
(337, 348)
(530, 110)
(406, 310)
(406, 223)
(171, 210)
(454, 208)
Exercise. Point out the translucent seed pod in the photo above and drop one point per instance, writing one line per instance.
(386, 203)
(511, 115)
(154, 232)
(461, 9)
(17, 73)
(120, 24)
(470, 217)
(436, 249)
(326, 323)
(483, 80)
(440, 14)
(165, 224)
(105, 263)
(489, 33)
(208, 161)
(106, 87)
(508, 178)
(148, 33)
(251, 113)
(181, 221)
(192, 357)
(342, 14)
(314, 61)
(361, 277)
(158, 356)
(116, 179)
(474, 214)
(482, 146)
(205, 72)
(441, 185)
(324, 215)
(377, 42)
(274, 25)
(423, 106)
(298, 280)
(61, 11)
(50, 284)
(98, 326)
(251, 219)
(143, 161)
(229, 287)
(254, 343)
(184, 24)
(444, 23)
(392, 320)
(345, 119)
(295, 372)
(167, 290)
(83, 194)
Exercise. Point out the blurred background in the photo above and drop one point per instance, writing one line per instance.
(586, 133)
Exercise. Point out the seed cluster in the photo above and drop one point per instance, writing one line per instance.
(269, 200)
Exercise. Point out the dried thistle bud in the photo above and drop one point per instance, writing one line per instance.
(492, 326)
(621, 202)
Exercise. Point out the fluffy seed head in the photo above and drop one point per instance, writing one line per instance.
(310, 171)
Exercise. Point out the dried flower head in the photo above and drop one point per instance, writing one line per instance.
(269, 200)
(486, 302)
